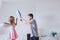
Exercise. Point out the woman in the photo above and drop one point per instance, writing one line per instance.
(12, 34)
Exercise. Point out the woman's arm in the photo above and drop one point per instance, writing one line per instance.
(16, 21)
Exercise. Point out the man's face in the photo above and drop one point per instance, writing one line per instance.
(29, 17)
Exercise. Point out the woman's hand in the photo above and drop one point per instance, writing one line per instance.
(16, 19)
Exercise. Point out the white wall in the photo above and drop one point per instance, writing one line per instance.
(46, 13)
(0, 3)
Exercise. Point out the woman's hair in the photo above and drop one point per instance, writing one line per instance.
(11, 19)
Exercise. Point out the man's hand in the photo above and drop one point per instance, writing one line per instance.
(21, 18)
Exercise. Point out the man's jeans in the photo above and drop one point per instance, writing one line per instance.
(34, 38)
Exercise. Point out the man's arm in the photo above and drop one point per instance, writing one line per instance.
(28, 22)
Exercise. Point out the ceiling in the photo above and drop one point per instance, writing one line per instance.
(14, 0)
(30, 0)
(10, 0)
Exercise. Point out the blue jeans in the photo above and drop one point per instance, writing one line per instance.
(34, 38)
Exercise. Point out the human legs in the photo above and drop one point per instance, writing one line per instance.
(34, 38)
(31, 38)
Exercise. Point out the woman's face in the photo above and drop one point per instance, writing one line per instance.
(10, 19)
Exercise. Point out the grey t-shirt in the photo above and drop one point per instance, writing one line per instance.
(34, 31)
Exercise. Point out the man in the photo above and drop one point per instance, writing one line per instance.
(33, 26)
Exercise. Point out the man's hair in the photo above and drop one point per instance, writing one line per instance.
(30, 15)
